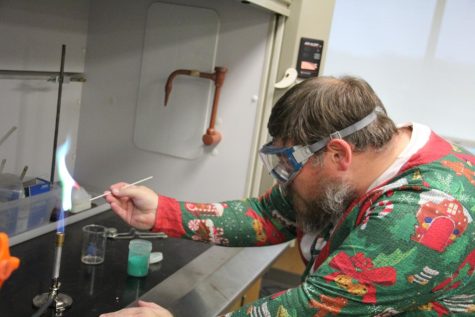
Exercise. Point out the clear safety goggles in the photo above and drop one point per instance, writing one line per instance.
(284, 163)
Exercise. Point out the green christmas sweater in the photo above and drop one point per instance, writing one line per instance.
(405, 248)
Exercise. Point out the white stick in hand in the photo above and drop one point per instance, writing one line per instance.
(134, 183)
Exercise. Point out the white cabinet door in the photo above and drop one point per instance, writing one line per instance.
(179, 37)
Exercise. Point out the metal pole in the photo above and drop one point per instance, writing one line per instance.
(58, 110)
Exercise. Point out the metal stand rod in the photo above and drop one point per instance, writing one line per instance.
(58, 110)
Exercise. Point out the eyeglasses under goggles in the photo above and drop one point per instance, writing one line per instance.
(284, 163)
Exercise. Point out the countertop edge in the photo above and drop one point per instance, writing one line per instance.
(208, 285)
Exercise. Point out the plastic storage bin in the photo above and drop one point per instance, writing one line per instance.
(11, 188)
(28, 213)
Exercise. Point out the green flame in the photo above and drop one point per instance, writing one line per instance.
(67, 181)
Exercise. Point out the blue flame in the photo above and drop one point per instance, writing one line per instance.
(67, 182)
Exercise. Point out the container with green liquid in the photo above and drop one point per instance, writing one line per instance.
(139, 254)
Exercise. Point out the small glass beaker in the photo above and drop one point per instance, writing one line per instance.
(93, 244)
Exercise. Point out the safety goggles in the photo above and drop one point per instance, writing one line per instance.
(284, 163)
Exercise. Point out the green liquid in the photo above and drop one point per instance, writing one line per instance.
(137, 265)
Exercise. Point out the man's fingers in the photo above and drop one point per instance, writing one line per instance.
(111, 198)
(126, 191)
(118, 185)
(126, 312)
(121, 212)
(115, 189)
(142, 303)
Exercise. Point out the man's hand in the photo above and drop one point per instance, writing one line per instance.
(136, 205)
(144, 309)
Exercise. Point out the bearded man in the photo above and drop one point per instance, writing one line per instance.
(380, 228)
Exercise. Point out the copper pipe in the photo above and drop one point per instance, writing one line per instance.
(211, 136)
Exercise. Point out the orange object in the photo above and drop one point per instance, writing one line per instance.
(8, 263)
(212, 136)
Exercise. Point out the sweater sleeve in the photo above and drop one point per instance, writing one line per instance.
(250, 222)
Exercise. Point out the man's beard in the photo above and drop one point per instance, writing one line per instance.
(314, 215)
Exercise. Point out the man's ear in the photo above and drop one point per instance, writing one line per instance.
(340, 153)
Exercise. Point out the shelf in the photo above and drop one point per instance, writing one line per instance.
(41, 75)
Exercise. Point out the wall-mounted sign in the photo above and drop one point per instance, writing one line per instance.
(310, 55)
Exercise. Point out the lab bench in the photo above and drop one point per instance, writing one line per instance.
(192, 279)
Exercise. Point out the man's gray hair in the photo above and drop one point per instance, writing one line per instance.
(315, 108)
